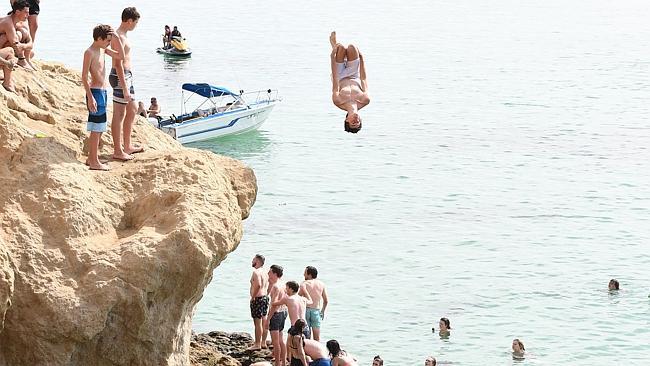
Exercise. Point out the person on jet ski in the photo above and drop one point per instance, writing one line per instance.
(167, 37)
(176, 33)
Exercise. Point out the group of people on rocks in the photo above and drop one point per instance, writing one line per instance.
(17, 35)
(272, 301)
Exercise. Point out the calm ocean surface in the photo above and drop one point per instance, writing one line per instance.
(501, 178)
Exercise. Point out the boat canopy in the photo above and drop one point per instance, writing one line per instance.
(207, 90)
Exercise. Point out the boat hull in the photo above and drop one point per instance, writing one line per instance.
(222, 124)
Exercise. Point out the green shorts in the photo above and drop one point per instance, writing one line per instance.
(313, 317)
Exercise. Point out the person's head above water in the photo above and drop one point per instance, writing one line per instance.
(430, 361)
(352, 122)
(444, 325)
(333, 347)
(518, 346)
(613, 285)
(377, 361)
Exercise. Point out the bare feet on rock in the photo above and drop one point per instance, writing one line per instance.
(100, 166)
(23, 63)
(122, 157)
(136, 149)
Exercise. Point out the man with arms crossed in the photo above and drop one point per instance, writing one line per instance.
(296, 304)
(277, 315)
(316, 290)
(121, 80)
(259, 299)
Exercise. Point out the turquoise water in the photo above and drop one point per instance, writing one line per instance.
(500, 180)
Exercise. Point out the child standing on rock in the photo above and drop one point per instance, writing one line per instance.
(96, 96)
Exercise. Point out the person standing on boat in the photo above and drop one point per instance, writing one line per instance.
(121, 80)
(349, 85)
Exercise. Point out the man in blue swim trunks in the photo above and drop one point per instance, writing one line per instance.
(121, 79)
(316, 307)
(96, 97)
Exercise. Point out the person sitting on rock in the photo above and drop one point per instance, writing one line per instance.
(14, 33)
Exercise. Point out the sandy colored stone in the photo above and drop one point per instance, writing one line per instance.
(104, 268)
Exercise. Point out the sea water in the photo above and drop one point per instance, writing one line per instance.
(500, 179)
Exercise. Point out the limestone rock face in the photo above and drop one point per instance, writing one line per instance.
(104, 268)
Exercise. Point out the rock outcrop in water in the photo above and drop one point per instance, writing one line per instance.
(104, 268)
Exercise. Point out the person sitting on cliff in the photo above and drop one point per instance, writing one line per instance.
(349, 85)
(96, 96)
(14, 33)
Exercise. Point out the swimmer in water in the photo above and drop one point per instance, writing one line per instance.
(518, 349)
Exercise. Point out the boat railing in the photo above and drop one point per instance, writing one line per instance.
(260, 96)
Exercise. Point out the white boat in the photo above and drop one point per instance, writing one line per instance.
(221, 113)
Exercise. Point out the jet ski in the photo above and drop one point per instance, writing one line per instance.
(177, 47)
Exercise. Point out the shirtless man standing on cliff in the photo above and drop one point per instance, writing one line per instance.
(259, 299)
(277, 315)
(349, 85)
(296, 304)
(121, 80)
(316, 290)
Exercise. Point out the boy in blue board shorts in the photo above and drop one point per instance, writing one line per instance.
(96, 96)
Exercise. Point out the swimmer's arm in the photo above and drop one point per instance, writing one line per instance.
(280, 302)
(307, 297)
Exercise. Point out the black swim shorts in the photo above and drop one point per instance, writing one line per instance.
(34, 8)
(277, 321)
(259, 307)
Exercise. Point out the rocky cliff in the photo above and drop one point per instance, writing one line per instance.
(104, 268)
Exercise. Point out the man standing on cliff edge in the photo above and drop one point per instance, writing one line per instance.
(121, 80)
(259, 298)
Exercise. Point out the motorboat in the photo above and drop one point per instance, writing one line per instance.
(177, 47)
(221, 113)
